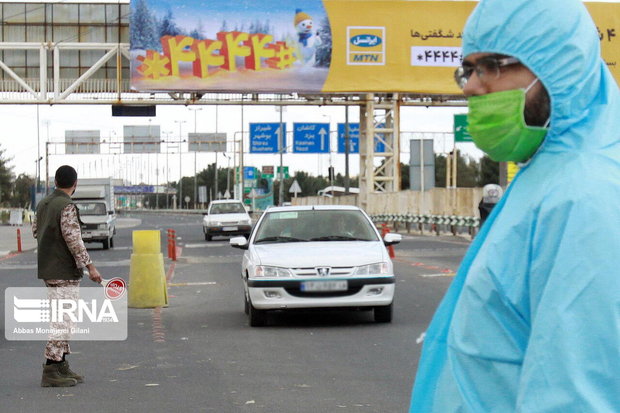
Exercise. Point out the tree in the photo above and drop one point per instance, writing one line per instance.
(440, 170)
(168, 27)
(22, 191)
(324, 50)
(143, 33)
(489, 171)
(5, 179)
(198, 32)
(404, 176)
(467, 171)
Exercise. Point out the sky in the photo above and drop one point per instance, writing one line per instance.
(211, 13)
(23, 141)
(19, 137)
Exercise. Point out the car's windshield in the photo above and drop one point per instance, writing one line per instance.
(228, 208)
(315, 225)
(91, 208)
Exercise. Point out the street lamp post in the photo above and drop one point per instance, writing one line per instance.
(347, 140)
(167, 141)
(329, 175)
(195, 110)
(281, 139)
(216, 131)
(180, 122)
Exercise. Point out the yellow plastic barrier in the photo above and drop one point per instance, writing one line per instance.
(147, 278)
(146, 242)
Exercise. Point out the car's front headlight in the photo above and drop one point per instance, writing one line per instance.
(379, 268)
(245, 222)
(102, 226)
(269, 271)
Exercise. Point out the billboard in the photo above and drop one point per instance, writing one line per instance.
(82, 141)
(141, 139)
(312, 46)
(207, 142)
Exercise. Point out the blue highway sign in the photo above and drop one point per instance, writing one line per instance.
(311, 137)
(354, 139)
(264, 137)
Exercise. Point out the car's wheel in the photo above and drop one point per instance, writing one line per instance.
(246, 304)
(207, 237)
(106, 243)
(383, 314)
(258, 318)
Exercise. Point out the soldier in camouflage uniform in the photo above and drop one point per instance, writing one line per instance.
(62, 258)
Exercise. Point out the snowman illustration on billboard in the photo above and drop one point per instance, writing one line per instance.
(307, 39)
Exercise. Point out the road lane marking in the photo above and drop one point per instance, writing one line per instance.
(189, 284)
(205, 245)
(441, 274)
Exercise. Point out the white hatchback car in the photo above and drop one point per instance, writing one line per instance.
(317, 257)
(226, 217)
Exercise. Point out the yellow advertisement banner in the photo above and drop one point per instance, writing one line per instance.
(322, 46)
(420, 44)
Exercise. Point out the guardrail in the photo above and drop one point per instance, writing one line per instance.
(431, 223)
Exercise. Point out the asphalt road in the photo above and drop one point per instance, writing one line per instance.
(199, 354)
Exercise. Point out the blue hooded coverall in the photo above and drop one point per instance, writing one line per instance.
(531, 322)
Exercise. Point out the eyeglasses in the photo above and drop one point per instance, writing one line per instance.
(486, 68)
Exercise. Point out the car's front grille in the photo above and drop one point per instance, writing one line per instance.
(90, 226)
(313, 272)
(296, 292)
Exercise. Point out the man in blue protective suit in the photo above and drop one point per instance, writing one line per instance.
(531, 322)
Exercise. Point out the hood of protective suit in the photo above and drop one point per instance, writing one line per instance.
(531, 321)
(558, 41)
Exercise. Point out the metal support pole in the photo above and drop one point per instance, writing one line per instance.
(347, 142)
(281, 148)
(167, 179)
(47, 167)
(38, 154)
(216, 131)
(241, 166)
(195, 160)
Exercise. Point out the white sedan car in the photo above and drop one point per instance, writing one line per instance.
(226, 217)
(316, 257)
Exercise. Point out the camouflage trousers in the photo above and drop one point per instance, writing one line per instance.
(58, 342)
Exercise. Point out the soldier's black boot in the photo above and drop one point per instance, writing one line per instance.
(52, 377)
(66, 371)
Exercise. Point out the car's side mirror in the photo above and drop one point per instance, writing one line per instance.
(110, 212)
(239, 242)
(391, 239)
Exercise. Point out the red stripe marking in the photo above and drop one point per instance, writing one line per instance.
(170, 274)
(6, 257)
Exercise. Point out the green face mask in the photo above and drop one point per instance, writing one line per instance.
(497, 126)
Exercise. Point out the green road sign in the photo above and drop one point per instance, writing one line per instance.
(286, 175)
(461, 133)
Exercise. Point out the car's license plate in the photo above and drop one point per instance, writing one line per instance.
(229, 229)
(324, 285)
